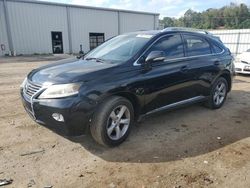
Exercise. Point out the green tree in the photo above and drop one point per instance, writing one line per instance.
(231, 16)
(211, 19)
(245, 24)
(179, 22)
(244, 13)
(188, 18)
(167, 22)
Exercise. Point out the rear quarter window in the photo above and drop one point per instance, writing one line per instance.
(217, 49)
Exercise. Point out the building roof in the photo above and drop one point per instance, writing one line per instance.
(82, 6)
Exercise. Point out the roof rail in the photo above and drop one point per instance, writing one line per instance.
(186, 29)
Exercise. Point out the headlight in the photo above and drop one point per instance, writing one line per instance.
(23, 83)
(59, 91)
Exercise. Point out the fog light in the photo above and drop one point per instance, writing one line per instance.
(58, 117)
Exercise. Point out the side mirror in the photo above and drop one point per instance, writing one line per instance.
(155, 56)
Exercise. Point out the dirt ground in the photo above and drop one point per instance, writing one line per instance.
(190, 147)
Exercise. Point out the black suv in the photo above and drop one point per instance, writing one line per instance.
(126, 78)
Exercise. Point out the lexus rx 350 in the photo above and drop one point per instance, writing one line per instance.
(126, 78)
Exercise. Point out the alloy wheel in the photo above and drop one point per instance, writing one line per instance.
(118, 122)
(219, 93)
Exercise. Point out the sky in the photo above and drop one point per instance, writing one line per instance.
(170, 8)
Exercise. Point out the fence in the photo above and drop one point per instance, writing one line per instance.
(237, 40)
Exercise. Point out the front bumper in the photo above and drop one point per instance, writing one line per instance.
(76, 112)
(242, 68)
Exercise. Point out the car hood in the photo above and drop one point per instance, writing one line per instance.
(245, 56)
(69, 70)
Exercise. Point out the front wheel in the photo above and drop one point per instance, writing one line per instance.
(218, 94)
(112, 121)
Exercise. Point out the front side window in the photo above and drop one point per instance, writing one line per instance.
(196, 45)
(171, 45)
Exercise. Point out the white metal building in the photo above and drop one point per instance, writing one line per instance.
(28, 26)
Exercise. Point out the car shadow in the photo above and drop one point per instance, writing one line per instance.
(182, 133)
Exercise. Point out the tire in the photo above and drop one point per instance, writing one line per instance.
(217, 98)
(106, 122)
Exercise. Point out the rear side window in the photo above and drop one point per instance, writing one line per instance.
(196, 45)
(171, 45)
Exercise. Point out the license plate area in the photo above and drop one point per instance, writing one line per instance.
(28, 108)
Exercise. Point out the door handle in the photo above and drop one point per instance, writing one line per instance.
(216, 63)
(184, 68)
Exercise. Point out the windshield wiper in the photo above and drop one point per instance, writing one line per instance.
(97, 59)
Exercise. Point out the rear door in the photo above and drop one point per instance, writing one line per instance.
(204, 64)
(169, 80)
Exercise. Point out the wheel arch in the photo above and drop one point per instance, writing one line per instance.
(226, 75)
(133, 99)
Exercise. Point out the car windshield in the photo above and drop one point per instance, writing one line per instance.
(119, 49)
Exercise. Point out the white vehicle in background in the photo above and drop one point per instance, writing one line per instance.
(242, 62)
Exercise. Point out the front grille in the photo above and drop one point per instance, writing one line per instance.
(238, 69)
(30, 88)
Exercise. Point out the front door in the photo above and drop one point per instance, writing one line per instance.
(57, 42)
(169, 80)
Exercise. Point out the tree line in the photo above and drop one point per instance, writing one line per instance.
(233, 16)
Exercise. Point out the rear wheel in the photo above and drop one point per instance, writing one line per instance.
(112, 121)
(218, 93)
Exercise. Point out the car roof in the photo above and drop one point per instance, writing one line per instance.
(172, 30)
(169, 30)
(145, 32)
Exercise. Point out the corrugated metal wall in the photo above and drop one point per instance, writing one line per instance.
(84, 21)
(237, 40)
(31, 24)
(3, 32)
(156, 20)
(135, 22)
